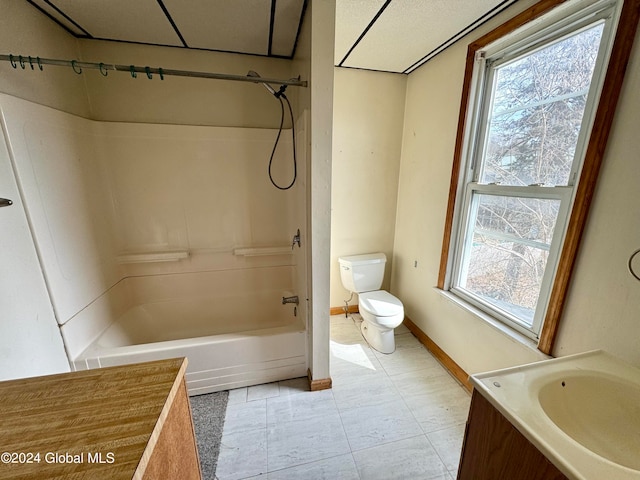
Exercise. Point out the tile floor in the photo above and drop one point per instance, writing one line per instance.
(398, 416)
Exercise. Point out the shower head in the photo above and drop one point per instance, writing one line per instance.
(265, 85)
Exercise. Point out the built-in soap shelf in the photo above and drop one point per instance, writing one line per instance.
(262, 251)
(155, 256)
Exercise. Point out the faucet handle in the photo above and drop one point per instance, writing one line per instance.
(296, 239)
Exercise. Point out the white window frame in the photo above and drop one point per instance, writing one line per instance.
(564, 20)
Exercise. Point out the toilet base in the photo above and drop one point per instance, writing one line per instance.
(382, 340)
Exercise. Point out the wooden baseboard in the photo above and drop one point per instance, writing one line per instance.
(340, 310)
(441, 355)
(321, 384)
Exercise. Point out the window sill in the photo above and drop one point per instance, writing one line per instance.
(508, 332)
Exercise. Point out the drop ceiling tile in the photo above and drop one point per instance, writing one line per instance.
(410, 29)
(232, 26)
(286, 21)
(352, 17)
(59, 17)
(133, 21)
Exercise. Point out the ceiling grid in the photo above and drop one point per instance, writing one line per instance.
(395, 36)
(254, 27)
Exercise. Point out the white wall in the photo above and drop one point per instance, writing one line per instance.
(61, 176)
(368, 117)
(30, 342)
(96, 191)
(604, 300)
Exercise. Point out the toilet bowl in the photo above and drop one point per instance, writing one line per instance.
(381, 312)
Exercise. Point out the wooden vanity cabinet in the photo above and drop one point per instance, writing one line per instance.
(126, 422)
(494, 449)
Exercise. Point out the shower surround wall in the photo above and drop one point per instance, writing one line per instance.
(103, 195)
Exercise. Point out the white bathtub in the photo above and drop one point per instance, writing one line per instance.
(231, 325)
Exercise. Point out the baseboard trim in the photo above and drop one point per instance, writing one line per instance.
(340, 310)
(321, 384)
(441, 355)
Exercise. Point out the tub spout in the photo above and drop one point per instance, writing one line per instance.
(293, 299)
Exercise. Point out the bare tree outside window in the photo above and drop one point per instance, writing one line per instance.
(533, 118)
(536, 115)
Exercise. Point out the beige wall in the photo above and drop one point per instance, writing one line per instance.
(118, 97)
(367, 141)
(603, 308)
(604, 300)
(25, 31)
(180, 100)
(319, 189)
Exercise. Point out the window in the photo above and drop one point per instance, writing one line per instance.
(531, 110)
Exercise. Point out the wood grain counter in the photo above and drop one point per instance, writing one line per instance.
(128, 422)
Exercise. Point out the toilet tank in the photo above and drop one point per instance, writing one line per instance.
(362, 273)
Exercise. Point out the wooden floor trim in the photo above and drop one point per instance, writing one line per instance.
(321, 384)
(441, 355)
(340, 310)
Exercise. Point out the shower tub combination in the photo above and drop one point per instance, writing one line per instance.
(230, 324)
(134, 274)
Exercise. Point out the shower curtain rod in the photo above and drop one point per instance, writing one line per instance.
(133, 70)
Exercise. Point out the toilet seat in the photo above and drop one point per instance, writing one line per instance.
(380, 303)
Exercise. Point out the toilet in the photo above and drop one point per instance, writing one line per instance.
(381, 312)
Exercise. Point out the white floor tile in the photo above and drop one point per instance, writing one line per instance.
(406, 340)
(423, 382)
(296, 442)
(294, 386)
(407, 360)
(243, 417)
(346, 331)
(370, 425)
(260, 392)
(371, 390)
(242, 455)
(342, 467)
(237, 395)
(441, 409)
(412, 458)
(397, 416)
(355, 361)
(448, 445)
(402, 329)
(301, 407)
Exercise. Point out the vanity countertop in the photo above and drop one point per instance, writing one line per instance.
(104, 423)
(581, 411)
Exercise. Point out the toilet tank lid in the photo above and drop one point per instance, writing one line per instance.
(369, 258)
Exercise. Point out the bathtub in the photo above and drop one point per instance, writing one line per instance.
(231, 326)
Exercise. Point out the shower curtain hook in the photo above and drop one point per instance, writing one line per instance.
(78, 70)
(30, 62)
(13, 62)
(21, 60)
(133, 71)
(39, 63)
(148, 72)
(161, 74)
(103, 70)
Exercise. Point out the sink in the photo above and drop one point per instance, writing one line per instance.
(600, 413)
(581, 411)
